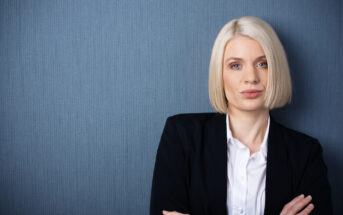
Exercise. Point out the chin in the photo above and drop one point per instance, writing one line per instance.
(248, 105)
(253, 107)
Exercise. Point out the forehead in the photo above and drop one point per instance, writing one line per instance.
(243, 47)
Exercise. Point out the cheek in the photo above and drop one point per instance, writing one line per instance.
(229, 81)
(228, 84)
(226, 78)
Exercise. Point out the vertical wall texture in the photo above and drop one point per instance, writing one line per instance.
(86, 86)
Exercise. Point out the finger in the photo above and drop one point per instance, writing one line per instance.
(301, 204)
(296, 200)
(307, 210)
(290, 204)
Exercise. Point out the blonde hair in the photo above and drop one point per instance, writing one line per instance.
(279, 87)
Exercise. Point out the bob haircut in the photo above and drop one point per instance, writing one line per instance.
(279, 87)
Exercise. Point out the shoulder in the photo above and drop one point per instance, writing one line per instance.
(190, 128)
(196, 123)
(293, 137)
(300, 147)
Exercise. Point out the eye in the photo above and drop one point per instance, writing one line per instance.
(262, 65)
(235, 66)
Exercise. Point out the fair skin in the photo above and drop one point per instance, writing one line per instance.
(245, 68)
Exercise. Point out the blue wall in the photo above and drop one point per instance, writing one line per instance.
(86, 86)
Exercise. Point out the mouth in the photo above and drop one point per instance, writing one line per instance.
(251, 94)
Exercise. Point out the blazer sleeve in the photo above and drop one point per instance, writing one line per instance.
(315, 181)
(169, 185)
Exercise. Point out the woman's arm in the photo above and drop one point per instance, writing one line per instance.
(169, 188)
(315, 182)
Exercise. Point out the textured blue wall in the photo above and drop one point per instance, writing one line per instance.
(86, 86)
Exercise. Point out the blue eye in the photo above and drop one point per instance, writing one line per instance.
(263, 65)
(235, 66)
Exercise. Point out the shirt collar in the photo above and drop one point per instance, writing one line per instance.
(264, 145)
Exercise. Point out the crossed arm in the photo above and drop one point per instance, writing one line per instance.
(299, 205)
(169, 194)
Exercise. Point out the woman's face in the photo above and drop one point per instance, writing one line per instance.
(245, 74)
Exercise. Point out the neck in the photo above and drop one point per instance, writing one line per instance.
(249, 127)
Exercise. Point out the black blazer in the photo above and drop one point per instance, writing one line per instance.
(190, 174)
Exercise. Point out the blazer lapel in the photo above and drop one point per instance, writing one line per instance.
(215, 164)
(278, 176)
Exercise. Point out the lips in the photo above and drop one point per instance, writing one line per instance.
(251, 93)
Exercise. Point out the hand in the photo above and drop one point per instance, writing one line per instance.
(297, 204)
(172, 213)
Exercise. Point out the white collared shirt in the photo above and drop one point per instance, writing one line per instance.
(246, 176)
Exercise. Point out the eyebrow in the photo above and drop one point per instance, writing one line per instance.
(237, 58)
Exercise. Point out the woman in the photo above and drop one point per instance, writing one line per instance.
(240, 160)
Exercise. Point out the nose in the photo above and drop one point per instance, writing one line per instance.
(251, 75)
